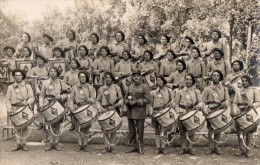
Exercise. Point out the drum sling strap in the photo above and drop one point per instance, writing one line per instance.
(213, 93)
(170, 98)
(20, 103)
(108, 100)
(80, 104)
(189, 107)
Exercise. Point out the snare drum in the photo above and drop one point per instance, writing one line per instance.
(22, 117)
(85, 115)
(110, 121)
(193, 121)
(219, 120)
(167, 118)
(53, 112)
(248, 120)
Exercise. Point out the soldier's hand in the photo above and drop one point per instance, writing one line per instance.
(197, 107)
(58, 97)
(25, 103)
(223, 105)
(132, 102)
(126, 101)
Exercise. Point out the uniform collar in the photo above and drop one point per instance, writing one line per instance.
(218, 62)
(186, 89)
(195, 60)
(20, 84)
(47, 46)
(82, 85)
(74, 71)
(217, 86)
(239, 73)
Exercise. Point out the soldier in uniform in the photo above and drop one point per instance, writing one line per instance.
(187, 99)
(162, 48)
(161, 98)
(93, 46)
(69, 44)
(19, 94)
(85, 61)
(109, 98)
(168, 66)
(125, 66)
(246, 98)
(81, 94)
(26, 38)
(138, 48)
(215, 43)
(197, 67)
(149, 63)
(53, 88)
(26, 53)
(215, 97)
(136, 99)
(46, 48)
(119, 46)
(218, 63)
(41, 70)
(71, 78)
(176, 79)
(186, 51)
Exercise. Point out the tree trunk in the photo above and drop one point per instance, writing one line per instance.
(231, 25)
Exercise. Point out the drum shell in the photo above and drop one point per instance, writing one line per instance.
(219, 120)
(22, 117)
(193, 121)
(110, 121)
(164, 119)
(53, 112)
(85, 115)
(247, 121)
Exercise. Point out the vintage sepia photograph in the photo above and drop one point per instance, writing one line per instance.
(129, 82)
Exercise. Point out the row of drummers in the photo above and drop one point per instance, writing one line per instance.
(187, 109)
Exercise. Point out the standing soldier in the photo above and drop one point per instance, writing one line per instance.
(19, 94)
(109, 98)
(161, 98)
(83, 93)
(137, 98)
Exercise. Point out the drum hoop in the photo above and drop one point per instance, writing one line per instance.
(247, 129)
(48, 106)
(189, 116)
(243, 113)
(115, 128)
(81, 110)
(223, 110)
(223, 128)
(25, 124)
(198, 128)
(88, 121)
(163, 112)
(105, 118)
(57, 118)
(18, 111)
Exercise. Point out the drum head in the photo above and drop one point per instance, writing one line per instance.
(162, 112)
(79, 109)
(215, 114)
(106, 115)
(188, 115)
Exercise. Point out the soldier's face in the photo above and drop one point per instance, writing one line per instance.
(164, 40)
(217, 55)
(214, 36)
(188, 81)
(195, 53)
(57, 54)
(236, 66)
(125, 56)
(40, 61)
(82, 78)
(118, 37)
(25, 38)
(140, 40)
(136, 78)
(53, 73)
(159, 82)
(103, 52)
(245, 82)
(9, 52)
(108, 79)
(147, 56)
(179, 66)
(82, 51)
(188, 43)
(93, 38)
(18, 77)
(46, 40)
(73, 64)
(70, 35)
(26, 52)
(169, 56)
(215, 77)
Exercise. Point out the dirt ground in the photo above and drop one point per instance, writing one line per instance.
(37, 156)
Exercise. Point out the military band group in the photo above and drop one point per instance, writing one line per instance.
(108, 82)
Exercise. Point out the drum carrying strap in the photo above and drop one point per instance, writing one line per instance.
(188, 96)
